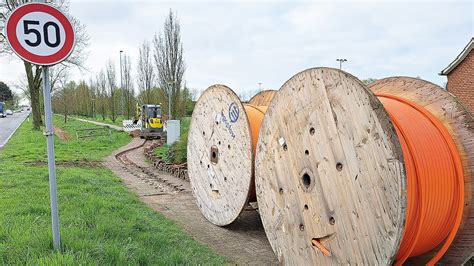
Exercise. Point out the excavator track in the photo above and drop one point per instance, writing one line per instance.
(147, 174)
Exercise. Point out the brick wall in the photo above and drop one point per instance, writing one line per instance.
(461, 81)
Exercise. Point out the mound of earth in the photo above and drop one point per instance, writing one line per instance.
(62, 135)
(72, 163)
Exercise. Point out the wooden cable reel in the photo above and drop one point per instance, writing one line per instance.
(263, 98)
(459, 125)
(221, 150)
(330, 170)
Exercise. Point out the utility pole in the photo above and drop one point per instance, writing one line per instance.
(341, 60)
(121, 82)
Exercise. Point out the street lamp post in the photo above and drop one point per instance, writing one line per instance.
(121, 81)
(170, 83)
(341, 60)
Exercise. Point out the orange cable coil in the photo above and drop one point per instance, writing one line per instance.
(435, 180)
(255, 116)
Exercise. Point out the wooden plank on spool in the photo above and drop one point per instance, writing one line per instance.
(263, 98)
(460, 123)
(220, 155)
(329, 168)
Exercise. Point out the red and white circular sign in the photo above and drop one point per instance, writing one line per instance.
(40, 34)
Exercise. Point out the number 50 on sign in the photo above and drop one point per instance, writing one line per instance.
(40, 34)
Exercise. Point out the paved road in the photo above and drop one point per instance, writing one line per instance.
(8, 126)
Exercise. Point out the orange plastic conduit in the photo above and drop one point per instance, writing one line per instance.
(435, 179)
(255, 116)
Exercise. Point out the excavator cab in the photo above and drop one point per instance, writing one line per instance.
(152, 123)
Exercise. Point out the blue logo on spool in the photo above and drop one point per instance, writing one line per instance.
(234, 112)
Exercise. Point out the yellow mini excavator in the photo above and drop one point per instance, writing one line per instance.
(152, 123)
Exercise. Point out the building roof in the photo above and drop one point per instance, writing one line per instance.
(459, 58)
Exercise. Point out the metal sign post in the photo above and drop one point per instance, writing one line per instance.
(49, 133)
(43, 35)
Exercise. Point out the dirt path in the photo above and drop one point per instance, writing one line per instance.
(98, 123)
(62, 135)
(244, 242)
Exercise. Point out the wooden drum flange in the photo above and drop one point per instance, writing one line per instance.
(263, 98)
(220, 155)
(330, 178)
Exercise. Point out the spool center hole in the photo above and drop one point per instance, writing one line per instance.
(306, 180)
(214, 154)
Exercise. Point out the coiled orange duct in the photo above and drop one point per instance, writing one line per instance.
(435, 179)
(255, 116)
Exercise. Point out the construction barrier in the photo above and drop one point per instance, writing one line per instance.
(129, 126)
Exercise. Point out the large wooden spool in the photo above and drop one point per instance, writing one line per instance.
(221, 145)
(329, 173)
(460, 124)
(263, 98)
(219, 142)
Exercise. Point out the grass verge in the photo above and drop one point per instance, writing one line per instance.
(163, 152)
(101, 221)
(176, 153)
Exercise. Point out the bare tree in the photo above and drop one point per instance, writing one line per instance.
(64, 96)
(128, 84)
(61, 92)
(15, 100)
(93, 93)
(169, 60)
(33, 72)
(101, 82)
(111, 83)
(57, 74)
(22, 85)
(146, 74)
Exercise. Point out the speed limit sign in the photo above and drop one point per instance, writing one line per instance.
(40, 34)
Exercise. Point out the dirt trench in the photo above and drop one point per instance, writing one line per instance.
(62, 135)
(243, 242)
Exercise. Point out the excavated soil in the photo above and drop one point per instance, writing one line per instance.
(62, 135)
(243, 242)
(73, 163)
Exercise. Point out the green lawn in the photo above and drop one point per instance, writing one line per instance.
(101, 221)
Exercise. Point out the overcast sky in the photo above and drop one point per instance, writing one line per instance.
(241, 44)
